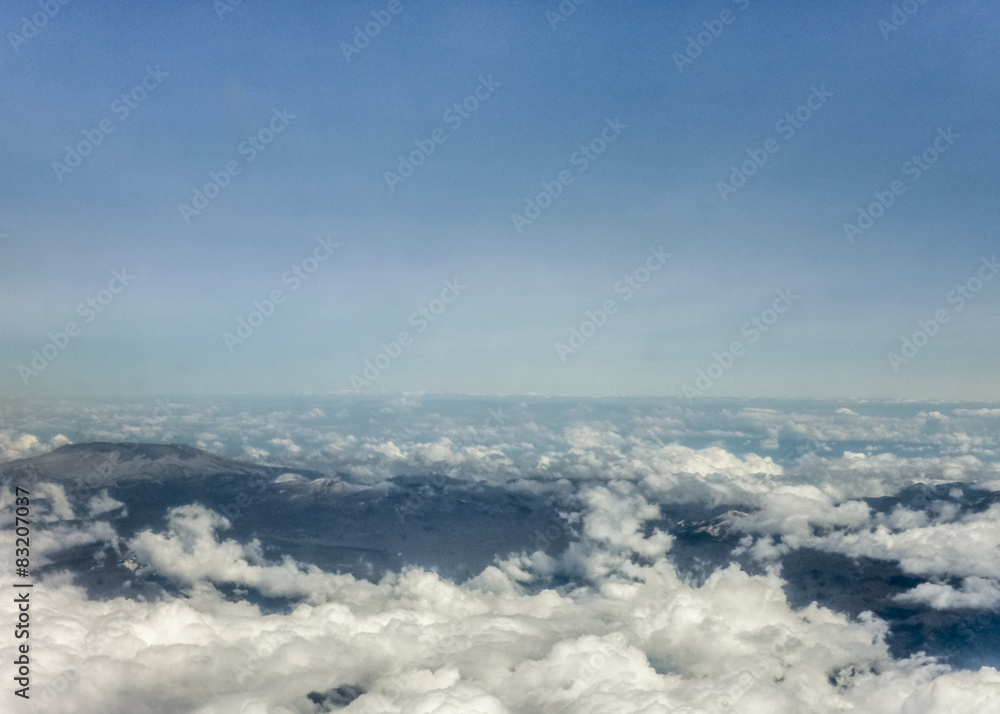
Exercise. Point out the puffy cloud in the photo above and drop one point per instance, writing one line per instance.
(795, 511)
(637, 639)
(103, 503)
(53, 496)
(289, 449)
(460, 699)
(608, 625)
(582, 437)
(975, 594)
(21, 445)
(968, 546)
(254, 454)
(190, 553)
(417, 643)
(857, 475)
(710, 475)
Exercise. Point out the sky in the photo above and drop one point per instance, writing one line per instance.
(297, 122)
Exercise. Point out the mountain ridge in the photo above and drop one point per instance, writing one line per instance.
(102, 462)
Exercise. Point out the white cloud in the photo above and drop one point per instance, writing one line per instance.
(21, 445)
(103, 503)
(976, 593)
(626, 634)
(964, 547)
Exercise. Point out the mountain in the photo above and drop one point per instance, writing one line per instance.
(454, 526)
(102, 463)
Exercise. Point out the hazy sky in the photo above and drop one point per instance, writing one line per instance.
(615, 108)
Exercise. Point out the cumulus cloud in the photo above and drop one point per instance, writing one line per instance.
(607, 625)
(417, 643)
(103, 503)
(20, 445)
(858, 475)
(796, 511)
(967, 546)
(975, 594)
(190, 553)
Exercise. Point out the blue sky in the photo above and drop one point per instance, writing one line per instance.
(218, 82)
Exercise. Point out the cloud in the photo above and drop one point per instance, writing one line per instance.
(795, 511)
(21, 445)
(103, 503)
(975, 594)
(637, 638)
(607, 625)
(415, 643)
(967, 546)
(459, 699)
(190, 553)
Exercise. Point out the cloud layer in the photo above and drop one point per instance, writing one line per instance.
(610, 624)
